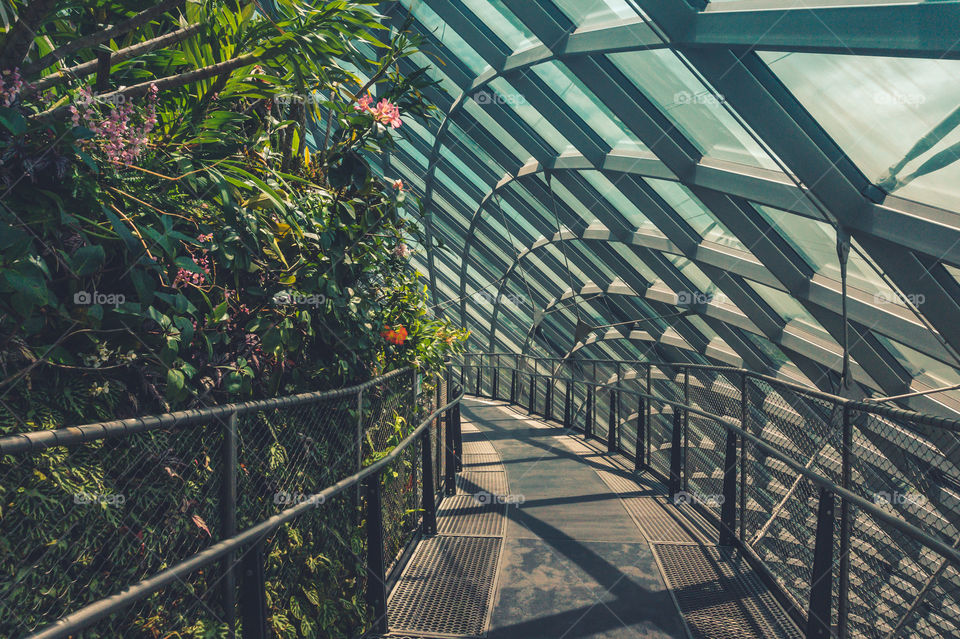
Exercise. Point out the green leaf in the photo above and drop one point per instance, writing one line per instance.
(175, 379)
(13, 120)
(87, 259)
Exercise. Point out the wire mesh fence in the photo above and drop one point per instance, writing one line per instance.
(127, 501)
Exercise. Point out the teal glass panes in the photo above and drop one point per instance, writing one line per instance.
(925, 369)
(510, 98)
(816, 243)
(790, 310)
(484, 119)
(898, 119)
(585, 13)
(693, 109)
(576, 98)
(499, 19)
(695, 213)
(454, 43)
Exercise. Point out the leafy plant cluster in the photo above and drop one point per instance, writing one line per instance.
(189, 216)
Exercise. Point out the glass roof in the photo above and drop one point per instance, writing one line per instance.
(577, 172)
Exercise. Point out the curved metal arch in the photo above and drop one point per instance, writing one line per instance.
(711, 311)
(636, 36)
(821, 291)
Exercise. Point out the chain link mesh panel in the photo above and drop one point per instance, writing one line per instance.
(95, 517)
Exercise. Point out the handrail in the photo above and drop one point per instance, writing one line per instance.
(74, 435)
(90, 614)
(935, 421)
(829, 484)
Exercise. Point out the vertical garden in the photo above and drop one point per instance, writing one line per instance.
(191, 214)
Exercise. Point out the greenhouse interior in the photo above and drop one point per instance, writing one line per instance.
(519, 319)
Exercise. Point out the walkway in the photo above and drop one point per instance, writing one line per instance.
(579, 547)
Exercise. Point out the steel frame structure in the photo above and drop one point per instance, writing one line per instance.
(467, 169)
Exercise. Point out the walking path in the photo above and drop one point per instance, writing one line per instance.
(551, 537)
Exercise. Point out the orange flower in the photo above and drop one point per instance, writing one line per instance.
(395, 336)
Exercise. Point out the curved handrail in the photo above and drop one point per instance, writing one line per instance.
(74, 435)
(935, 421)
(90, 614)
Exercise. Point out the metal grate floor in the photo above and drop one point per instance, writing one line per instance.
(446, 587)
(720, 596)
(477, 445)
(488, 481)
(476, 515)
(486, 461)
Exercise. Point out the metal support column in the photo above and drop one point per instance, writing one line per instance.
(376, 569)
(819, 614)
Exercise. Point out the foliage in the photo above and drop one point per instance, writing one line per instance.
(202, 224)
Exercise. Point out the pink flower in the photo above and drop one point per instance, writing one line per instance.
(402, 250)
(387, 113)
(363, 104)
(398, 185)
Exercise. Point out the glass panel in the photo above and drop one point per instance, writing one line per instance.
(589, 12)
(577, 98)
(455, 45)
(816, 243)
(508, 97)
(696, 213)
(692, 108)
(896, 118)
(503, 22)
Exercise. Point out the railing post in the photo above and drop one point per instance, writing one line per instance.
(567, 399)
(228, 519)
(479, 375)
(675, 453)
(376, 569)
(450, 478)
(843, 589)
(253, 593)
(745, 425)
(819, 614)
(429, 493)
(638, 453)
(458, 437)
(646, 419)
(513, 386)
(532, 399)
(612, 426)
(588, 414)
(548, 398)
(686, 426)
(728, 510)
(496, 379)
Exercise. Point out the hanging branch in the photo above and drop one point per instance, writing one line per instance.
(86, 68)
(100, 37)
(169, 82)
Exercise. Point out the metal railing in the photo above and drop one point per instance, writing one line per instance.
(254, 519)
(847, 509)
